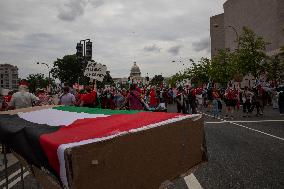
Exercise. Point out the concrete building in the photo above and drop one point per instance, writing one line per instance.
(264, 17)
(9, 76)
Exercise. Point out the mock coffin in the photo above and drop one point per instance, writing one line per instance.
(105, 149)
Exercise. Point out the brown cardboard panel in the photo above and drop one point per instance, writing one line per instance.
(141, 160)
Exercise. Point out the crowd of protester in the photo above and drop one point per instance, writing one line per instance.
(187, 99)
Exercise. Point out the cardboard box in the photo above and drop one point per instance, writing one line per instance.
(141, 160)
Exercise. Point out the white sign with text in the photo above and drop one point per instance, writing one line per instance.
(95, 71)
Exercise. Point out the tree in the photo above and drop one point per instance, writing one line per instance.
(106, 81)
(69, 70)
(251, 52)
(38, 81)
(223, 67)
(274, 68)
(199, 72)
(176, 78)
(157, 80)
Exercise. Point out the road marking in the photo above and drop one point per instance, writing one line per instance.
(215, 122)
(258, 131)
(192, 182)
(243, 121)
(257, 121)
(10, 185)
(10, 176)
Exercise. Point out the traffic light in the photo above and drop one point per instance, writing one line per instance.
(79, 53)
(89, 51)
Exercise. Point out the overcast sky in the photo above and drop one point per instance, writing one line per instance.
(150, 32)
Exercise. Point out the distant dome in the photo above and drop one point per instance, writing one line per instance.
(135, 70)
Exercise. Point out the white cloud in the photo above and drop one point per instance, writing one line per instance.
(121, 31)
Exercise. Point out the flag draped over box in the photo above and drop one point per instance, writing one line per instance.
(42, 136)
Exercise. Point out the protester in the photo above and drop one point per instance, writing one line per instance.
(88, 99)
(181, 106)
(134, 99)
(153, 98)
(230, 95)
(23, 98)
(256, 101)
(6, 100)
(246, 98)
(281, 101)
(67, 98)
(44, 99)
(274, 99)
(215, 109)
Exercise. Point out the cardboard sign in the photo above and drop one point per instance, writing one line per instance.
(95, 71)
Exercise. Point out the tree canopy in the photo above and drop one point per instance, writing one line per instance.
(228, 65)
(67, 69)
(251, 53)
(38, 81)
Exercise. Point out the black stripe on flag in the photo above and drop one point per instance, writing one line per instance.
(24, 138)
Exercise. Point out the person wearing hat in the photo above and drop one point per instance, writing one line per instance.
(23, 98)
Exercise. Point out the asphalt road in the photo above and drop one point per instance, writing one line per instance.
(243, 153)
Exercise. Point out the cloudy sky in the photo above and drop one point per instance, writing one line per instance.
(150, 32)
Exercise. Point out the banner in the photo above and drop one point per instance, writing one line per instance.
(95, 71)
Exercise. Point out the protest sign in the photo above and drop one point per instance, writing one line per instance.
(95, 71)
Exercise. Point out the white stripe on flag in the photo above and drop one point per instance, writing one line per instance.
(63, 147)
(55, 117)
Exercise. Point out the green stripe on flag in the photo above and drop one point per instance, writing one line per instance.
(95, 110)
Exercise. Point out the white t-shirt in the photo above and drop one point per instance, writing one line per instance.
(23, 99)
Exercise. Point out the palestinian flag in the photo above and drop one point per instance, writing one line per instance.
(42, 136)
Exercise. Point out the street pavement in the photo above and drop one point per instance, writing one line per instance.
(243, 153)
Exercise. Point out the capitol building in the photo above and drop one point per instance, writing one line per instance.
(134, 76)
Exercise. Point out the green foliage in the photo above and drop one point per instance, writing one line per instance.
(38, 81)
(175, 78)
(157, 80)
(224, 67)
(281, 52)
(68, 70)
(199, 73)
(251, 52)
(274, 68)
(106, 81)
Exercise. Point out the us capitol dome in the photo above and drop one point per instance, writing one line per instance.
(134, 77)
(135, 71)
